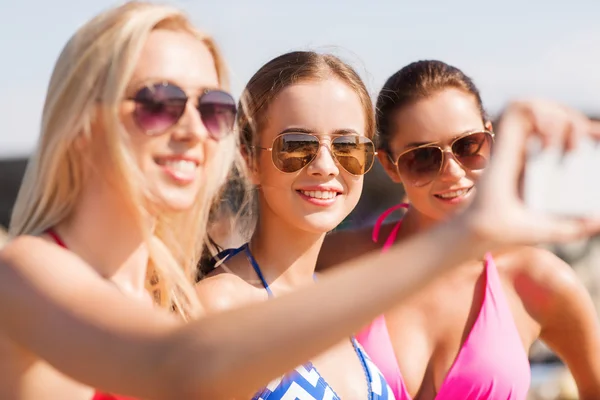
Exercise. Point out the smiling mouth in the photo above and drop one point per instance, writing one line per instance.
(454, 194)
(183, 166)
(319, 194)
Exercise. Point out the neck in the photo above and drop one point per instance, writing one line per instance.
(104, 232)
(285, 253)
(415, 221)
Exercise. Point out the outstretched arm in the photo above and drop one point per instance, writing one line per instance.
(55, 306)
(567, 317)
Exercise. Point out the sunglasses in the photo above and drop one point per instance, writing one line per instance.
(422, 164)
(291, 152)
(160, 106)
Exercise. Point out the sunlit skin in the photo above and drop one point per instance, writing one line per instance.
(545, 297)
(287, 215)
(173, 56)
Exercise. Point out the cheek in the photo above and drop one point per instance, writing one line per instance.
(267, 175)
(141, 149)
(211, 151)
(127, 117)
(141, 144)
(416, 194)
(354, 187)
(475, 175)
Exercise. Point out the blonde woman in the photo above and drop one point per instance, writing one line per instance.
(134, 145)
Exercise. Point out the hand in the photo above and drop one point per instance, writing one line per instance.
(498, 214)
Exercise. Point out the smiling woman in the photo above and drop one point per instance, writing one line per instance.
(436, 141)
(308, 147)
(136, 112)
(135, 144)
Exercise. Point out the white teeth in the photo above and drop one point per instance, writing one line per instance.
(451, 195)
(181, 165)
(319, 194)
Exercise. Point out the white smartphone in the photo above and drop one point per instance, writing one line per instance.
(564, 184)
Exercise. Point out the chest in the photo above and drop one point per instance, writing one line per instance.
(344, 370)
(456, 327)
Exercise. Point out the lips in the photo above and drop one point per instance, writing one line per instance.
(320, 194)
(183, 166)
(183, 170)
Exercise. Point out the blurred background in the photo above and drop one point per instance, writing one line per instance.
(510, 48)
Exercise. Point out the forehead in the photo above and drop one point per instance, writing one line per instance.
(322, 106)
(177, 57)
(438, 118)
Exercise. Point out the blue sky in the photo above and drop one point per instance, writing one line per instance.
(510, 47)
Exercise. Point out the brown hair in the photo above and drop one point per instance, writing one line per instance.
(239, 201)
(289, 69)
(415, 82)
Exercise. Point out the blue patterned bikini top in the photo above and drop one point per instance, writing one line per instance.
(305, 382)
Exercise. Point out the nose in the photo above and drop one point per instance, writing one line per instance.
(451, 170)
(190, 127)
(324, 164)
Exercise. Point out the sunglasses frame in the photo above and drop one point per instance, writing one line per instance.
(204, 92)
(317, 153)
(435, 145)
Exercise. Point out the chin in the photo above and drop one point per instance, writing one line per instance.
(176, 200)
(321, 225)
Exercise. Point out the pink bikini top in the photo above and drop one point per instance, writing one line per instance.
(491, 364)
(97, 395)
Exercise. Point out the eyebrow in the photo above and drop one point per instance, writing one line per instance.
(417, 144)
(337, 132)
(139, 84)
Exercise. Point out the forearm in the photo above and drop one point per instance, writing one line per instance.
(235, 352)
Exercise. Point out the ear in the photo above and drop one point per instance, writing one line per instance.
(388, 165)
(488, 126)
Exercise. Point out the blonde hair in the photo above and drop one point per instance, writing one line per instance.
(88, 84)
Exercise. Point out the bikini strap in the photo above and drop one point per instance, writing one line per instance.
(392, 237)
(56, 238)
(254, 264)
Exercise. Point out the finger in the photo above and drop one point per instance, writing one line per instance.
(509, 148)
(594, 129)
(561, 230)
(579, 129)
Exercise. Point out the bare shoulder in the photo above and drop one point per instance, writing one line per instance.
(34, 258)
(545, 283)
(223, 290)
(18, 247)
(539, 266)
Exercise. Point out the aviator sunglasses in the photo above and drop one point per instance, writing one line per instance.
(290, 152)
(160, 106)
(421, 165)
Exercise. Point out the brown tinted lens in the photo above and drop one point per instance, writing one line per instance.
(354, 153)
(420, 166)
(473, 151)
(293, 151)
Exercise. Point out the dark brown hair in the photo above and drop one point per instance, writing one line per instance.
(415, 82)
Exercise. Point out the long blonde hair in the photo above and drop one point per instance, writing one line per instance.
(88, 84)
